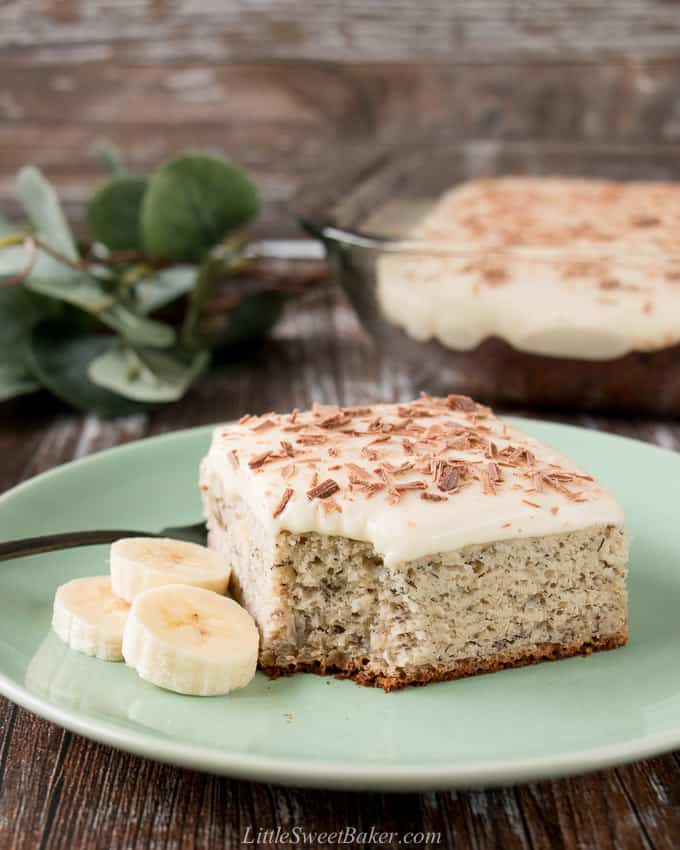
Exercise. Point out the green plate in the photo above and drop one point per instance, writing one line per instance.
(551, 719)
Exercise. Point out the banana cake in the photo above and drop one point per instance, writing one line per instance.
(400, 544)
(543, 290)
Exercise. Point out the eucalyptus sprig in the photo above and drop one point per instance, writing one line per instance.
(81, 320)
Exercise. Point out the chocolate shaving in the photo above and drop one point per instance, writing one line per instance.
(494, 275)
(312, 439)
(370, 454)
(357, 411)
(259, 460)
(609, 283)
(558, 482)
(494, 472)
(409, 485)
(265, 425)
(323, 490)
(488, 485)
(432, 497)
(331, 506)
(446, 453)
(383, 473)
(359, 471)
(335, 421)
(461, 402)
(406, 412)
(446, 476)
(285, 498)
(645, 221)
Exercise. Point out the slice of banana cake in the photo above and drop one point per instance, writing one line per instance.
(402, 544)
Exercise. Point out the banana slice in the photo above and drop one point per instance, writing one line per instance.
(140, 563)
(190, 640)
(90, 618)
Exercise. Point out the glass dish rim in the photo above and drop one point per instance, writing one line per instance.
(332, 234)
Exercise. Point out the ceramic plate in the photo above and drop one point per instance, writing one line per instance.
(548, 720)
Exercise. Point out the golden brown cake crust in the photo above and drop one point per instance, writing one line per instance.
(460, 669)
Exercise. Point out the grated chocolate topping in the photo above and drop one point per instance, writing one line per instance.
(447, 445)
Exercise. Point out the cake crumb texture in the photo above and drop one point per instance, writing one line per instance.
(331, 605)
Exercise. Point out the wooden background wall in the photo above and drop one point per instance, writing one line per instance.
(309, 95)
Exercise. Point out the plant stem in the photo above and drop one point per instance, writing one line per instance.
(222, 261)
(112, 159)
(12, 239)
(207, 276)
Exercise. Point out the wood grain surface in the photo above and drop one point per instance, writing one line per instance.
(372, 30)
(312, 96)
(58, 790)
(309, 94)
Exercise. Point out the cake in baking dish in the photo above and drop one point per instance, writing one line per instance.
(400, 544)
(561, 267)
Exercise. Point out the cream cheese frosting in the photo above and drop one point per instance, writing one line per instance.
(585, 269)
(412, 479)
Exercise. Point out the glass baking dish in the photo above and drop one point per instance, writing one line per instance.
(546, 347)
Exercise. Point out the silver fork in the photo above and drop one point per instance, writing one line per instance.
(196, 533)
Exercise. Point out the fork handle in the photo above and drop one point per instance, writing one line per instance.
(66, 540)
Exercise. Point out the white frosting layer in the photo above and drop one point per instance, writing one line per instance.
(603, 283)
(404, 525)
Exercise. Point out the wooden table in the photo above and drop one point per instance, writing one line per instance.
(58, 790)
(310, 96)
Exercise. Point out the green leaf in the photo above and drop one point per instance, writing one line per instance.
(191, 204)
(57, 279)
(59, 360)
(251, 321)
(44, 211)
(13, 260)
(19, 311)
(89, 295)
(15, 379)
(148, 376)
(164, 287)
(51, 276)
(209, 274)
(83, 291)
(138, 330)
(113, 213)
